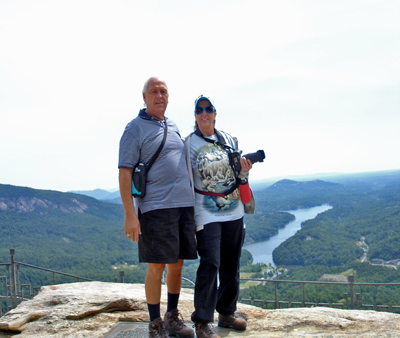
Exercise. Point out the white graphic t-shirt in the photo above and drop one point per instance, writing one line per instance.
(212, 173)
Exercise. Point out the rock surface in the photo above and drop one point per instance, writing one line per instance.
(92, 309)
(29, 204)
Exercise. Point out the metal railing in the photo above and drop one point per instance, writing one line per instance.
(14, 290)
(352, 299)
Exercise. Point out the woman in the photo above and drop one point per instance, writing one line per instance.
(219, 220)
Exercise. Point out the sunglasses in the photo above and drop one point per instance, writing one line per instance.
(209, 110)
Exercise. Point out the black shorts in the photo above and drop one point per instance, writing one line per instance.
(167, 235)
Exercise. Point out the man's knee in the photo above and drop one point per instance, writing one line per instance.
(155, 270)
(176, 266)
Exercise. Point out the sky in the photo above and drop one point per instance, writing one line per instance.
(315, 84)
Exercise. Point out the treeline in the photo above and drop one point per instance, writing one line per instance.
(262, 226)
(93, 244)
(293, 195)
(330, 239)
(90, 244)
(83, 244)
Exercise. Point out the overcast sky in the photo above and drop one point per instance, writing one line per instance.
(314, 83)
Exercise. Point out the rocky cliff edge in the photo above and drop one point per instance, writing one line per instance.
(93, 309)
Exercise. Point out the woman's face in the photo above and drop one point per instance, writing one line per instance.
(205, 121)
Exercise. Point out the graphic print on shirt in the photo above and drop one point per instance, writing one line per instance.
(211, 166)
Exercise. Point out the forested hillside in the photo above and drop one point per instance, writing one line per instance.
(83, 236)
(66, 232)
(261, 226)
(365, 208)
(80, 235)
(330, 239)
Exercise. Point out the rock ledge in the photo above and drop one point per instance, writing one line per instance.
(92, 309)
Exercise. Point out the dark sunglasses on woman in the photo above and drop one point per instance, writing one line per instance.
(208, 109)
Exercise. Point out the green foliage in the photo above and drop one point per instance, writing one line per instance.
(335, 232)
(251, 268)
(363, 273)
(262, 226)
(367, 207)
(246, 258)
(92, 244)
(85, 244)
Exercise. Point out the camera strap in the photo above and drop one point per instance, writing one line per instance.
(209, 193)
(221, 140)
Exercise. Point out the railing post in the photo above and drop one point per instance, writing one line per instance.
(358, 298)
(304, 295)
(14, 281)
(351, 281)
(8, 289)
(6, 295)
(121, 276)
(345, 296)
(276, 295)
(18, 284)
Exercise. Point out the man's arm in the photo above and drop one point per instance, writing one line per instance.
(131, 223)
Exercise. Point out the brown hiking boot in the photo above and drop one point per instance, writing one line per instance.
(173, 322)
(237, 321)
(157, 329)
(204, 331)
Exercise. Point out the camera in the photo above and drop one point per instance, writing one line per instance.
(234, 159)
(258, 156)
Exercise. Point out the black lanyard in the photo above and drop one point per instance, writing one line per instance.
(221, 140)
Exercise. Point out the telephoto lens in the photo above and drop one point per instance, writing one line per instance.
(258, 156)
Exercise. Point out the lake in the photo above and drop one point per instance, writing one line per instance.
(262, 251)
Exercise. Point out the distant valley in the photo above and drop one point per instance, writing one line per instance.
(81, 232)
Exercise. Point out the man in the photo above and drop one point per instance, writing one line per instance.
(164, 227)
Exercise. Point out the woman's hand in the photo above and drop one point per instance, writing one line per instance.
(246, 164)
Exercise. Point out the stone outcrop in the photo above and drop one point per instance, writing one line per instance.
(92, 309)
(29, 204)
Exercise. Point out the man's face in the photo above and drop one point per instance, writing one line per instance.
(156, 98)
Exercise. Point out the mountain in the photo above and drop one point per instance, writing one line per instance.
(360, 235)
(116, 200)
(301, 189)
(66, 232)
(301, 185)
(99, 194)
(334, 237)
(82, 235)
(374, 177)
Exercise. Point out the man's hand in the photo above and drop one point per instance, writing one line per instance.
(131, 222)
(132, 227)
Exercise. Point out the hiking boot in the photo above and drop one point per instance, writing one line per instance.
(173, 322)
(204, 331)
(236, 321)
(157, 329)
